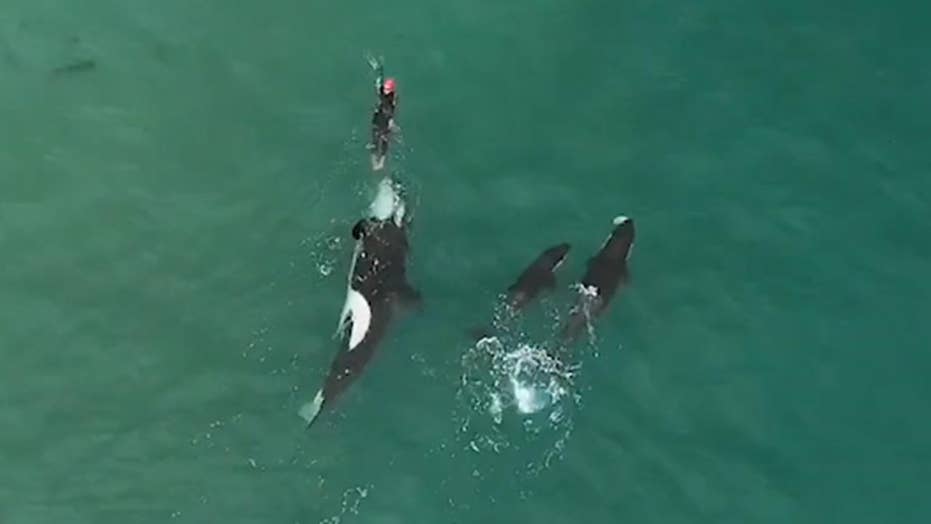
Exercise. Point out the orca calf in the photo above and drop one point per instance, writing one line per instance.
(536, 278)
(378, 289)
(606, 272)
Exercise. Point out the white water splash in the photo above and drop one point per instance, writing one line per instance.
(534, 378)
(496, 409)
(387, 202)
(520, 402)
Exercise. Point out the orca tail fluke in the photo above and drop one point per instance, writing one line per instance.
(311, 410)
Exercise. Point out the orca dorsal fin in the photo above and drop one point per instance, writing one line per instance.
(359, 229)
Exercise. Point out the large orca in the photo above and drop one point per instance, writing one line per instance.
(377, 290)
(606, 272)
(536, 278)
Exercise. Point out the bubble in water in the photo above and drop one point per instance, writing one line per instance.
(534, 377)
(496, 408)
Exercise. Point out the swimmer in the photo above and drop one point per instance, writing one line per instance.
(383, 118)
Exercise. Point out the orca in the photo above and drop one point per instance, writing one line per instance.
(377, 291)
(606, 272)
(79, 66)
(536, 278)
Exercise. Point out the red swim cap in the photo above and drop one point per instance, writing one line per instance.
(388, 86)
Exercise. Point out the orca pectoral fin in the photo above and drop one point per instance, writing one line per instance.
(311, 410)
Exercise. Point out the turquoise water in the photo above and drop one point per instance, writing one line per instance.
(174, 226)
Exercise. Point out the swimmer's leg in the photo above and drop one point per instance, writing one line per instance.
(381, 151)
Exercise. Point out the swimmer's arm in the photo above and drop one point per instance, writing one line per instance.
(379, 73)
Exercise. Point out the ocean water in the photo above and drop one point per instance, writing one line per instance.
(174, 227)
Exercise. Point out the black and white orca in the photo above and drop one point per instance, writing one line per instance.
(538, 277)
(378, 289)
(606, 272)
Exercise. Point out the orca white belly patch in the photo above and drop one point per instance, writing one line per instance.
(358, 311)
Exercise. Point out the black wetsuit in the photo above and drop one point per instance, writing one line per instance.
(381, 121)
